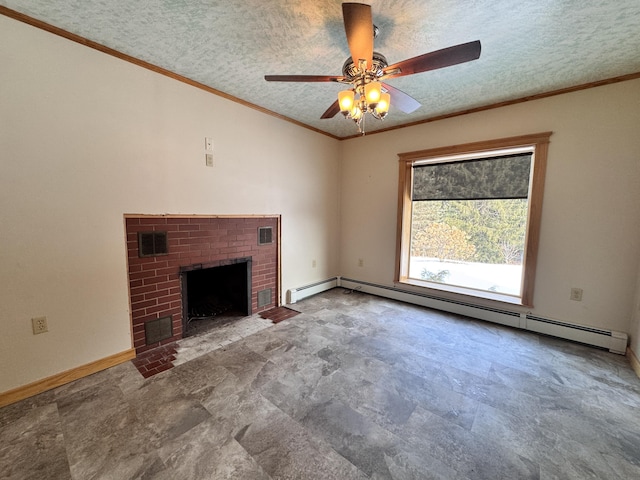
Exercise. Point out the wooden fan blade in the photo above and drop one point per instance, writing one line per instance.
(358, 25)
(446, 57)
(303, 78)
(401, 100)
(332, 110)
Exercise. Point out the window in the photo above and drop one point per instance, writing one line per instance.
(469, 217)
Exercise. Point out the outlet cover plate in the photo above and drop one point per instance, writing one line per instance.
(39, 325)
(576, 294)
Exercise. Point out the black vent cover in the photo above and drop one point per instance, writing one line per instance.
(157, 330)
(264, 297)
(265, 235)
(152, 243)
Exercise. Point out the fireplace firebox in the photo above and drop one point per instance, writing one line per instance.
(215, 289)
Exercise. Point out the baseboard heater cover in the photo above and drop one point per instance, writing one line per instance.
(297, 294)
(614, 341)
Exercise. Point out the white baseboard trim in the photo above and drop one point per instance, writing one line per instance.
(614, 341)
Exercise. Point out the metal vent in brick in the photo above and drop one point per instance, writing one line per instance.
(152, 243)
(264, 297)
(265, 235)
(157, 330)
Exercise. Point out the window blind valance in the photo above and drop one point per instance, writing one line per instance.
(502, 177)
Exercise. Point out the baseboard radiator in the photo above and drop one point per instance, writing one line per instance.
(296, 294)
(615, 342)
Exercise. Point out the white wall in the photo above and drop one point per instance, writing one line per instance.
(86, 138)
(590, 233)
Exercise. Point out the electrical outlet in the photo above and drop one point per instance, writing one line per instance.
(208, 159)
(576, 294)
(360, 262)
(39, 325)
(313, 263)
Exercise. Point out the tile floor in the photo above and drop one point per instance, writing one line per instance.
(355, 387)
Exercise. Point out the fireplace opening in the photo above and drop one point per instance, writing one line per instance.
(215, 294)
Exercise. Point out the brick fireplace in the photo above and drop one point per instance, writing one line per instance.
(164, 250)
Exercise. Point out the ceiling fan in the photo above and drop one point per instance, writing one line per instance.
(365, 70)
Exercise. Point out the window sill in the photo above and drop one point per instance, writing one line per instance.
(460, 293)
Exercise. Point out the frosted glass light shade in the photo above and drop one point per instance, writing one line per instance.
(346, 100)
(383, 105)
(372, 93)
(356, 112)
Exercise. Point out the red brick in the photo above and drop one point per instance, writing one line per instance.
(154, 364)
(172, 298)
(144, 304)
(199, 220)
(200, 233)
(164, 367)
(139, 228)
(156, 294)
(195, 240)
(160, 310)
(143, 289)
(154, 280)
(179, 249)
(188, 226)
(137, 298)
(153, 221)
(169, 285)
(167, 271)
(209, 227)
(160, 261)
(145, 274)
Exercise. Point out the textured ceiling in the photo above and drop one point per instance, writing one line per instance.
(528, 47)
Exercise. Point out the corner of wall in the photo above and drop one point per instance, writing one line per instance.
(633, 360)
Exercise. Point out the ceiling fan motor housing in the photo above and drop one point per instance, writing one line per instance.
(351, 71)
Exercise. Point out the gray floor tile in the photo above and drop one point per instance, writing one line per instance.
(33, 446)
(354, 387)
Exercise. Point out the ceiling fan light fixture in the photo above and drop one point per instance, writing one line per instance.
(364, 98)
(365, 69)
(382, 108)
(346, 100)
(372, 93)
(356, 113)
